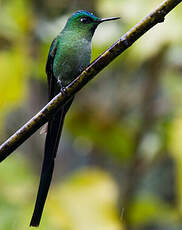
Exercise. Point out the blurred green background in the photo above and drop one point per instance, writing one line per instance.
(120, 160)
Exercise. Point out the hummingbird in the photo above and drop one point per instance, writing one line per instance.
(69, 55)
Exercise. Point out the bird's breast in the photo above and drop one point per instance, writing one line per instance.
(71, 58)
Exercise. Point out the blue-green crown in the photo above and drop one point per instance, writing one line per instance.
(83, 13)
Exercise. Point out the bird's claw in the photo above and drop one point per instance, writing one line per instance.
(62, 88)
(63, 91)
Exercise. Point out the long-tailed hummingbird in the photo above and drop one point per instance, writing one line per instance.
(69, 54)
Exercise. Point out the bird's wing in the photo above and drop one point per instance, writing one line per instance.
(50, 78)
(52, 140)
(49, 70)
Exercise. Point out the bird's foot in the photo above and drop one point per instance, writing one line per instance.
(63, 91)
(62, 88)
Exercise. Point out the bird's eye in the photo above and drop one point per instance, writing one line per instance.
(85, 20)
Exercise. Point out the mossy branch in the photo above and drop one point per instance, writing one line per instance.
(155, 17)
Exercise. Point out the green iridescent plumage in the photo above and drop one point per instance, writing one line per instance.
(73, 46)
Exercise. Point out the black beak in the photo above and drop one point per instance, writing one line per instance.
(108, 19)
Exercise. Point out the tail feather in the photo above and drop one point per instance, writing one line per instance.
(51, 145)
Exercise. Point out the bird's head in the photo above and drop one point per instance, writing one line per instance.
(85, 22)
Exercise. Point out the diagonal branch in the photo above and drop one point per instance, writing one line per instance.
(92, 70)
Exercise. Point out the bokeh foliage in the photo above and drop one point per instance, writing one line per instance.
(122, 150)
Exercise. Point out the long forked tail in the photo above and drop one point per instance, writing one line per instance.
(51, 145)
